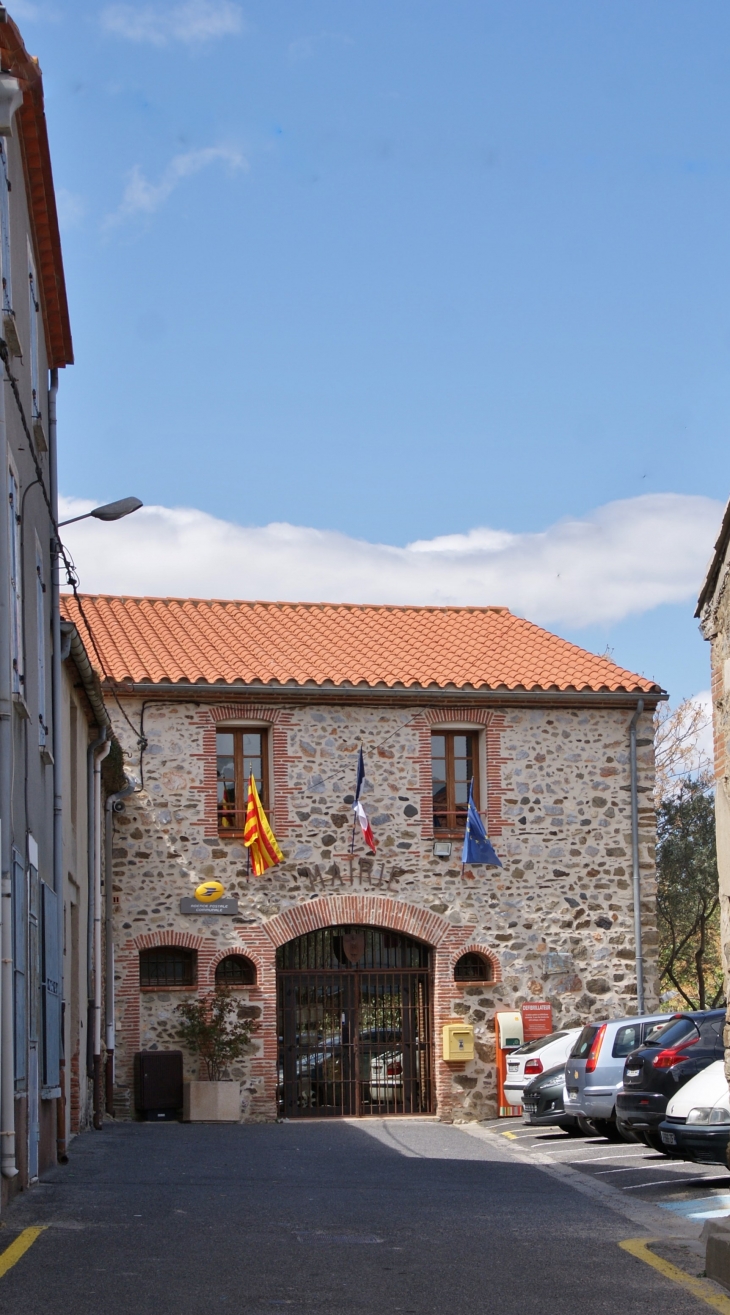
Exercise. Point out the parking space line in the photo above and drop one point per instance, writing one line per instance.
(512, 1136)
(631, 1169)
(595, 1159)
(675, 1182)
(639, 1247)
(11, 1255)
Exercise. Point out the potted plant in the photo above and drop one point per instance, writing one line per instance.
(211, 1028)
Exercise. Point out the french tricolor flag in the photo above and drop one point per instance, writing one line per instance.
(358, 809)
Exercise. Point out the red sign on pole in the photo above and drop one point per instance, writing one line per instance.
(537, 1020)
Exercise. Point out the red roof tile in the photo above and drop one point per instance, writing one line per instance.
(189, 640)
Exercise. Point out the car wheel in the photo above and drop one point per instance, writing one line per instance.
(586, 1126)
(625, 1132)
(654, 1141)
(607, 1128)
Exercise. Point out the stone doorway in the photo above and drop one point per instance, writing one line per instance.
(354, 1015)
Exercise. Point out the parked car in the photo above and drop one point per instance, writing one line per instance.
(670, 1056)
(697, 1122)
(534, 1058)
(595, 1068)
(542, 1102)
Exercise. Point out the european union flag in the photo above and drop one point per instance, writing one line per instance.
(477, 846)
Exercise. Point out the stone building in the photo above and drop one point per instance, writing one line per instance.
(351, 962)
(713, 610)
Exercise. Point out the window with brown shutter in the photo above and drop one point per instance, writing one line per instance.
(238, 754)
(454, 763)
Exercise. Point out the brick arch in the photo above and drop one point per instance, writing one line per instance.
(153, 940)
(240, 952)
(474, 947)
(358, 910)
(248, 712)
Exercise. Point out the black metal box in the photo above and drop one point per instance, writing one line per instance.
(158, 1084)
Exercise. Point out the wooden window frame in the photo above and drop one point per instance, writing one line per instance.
(239, 781)
(185, 950)
(450, 832)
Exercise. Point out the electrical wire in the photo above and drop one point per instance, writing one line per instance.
(60, 549)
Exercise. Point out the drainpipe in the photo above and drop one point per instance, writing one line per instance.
(7, 1054)
(635, 858)
(113, 805)
(98, 975)
(90, 873)
(57, 737)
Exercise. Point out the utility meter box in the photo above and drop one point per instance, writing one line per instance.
(458, 1041)
(510, 1033)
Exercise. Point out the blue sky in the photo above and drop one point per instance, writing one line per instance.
(399, 271)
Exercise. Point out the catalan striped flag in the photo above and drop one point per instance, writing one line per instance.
(257, 834)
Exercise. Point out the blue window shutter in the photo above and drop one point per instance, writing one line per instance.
(19, 956)
(51, 988)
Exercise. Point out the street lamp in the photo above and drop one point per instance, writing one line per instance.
(111, 511)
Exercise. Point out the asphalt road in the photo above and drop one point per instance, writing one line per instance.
(318, 1219)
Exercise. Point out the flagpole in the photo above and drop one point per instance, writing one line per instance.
(466, 831)
(354, 820)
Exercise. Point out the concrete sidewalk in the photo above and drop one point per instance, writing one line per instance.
(370, 1218)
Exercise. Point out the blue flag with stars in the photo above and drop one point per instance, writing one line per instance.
(477, 845)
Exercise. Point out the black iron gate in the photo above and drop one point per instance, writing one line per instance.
(354, 1024)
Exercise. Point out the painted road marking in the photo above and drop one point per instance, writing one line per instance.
(703, 1207)
(11, 1255)
(699, 1287)
(675, 1182)
(512, 1135)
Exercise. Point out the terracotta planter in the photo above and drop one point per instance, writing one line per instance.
(212, 1102)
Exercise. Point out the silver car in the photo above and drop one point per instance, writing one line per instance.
(594, 1069)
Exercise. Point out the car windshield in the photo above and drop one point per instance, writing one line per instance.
(673, 1032)
(584, 1042)
(531, 1046)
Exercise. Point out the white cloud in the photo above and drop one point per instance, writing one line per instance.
(191, 23)
(623, 559)
(71, 207)
(141, 197)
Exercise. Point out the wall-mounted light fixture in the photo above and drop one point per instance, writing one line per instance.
(111, 511)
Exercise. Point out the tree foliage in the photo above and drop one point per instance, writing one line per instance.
(688, 899)
(212, 1028)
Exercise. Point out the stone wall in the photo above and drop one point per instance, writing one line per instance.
(556, 921)
(715, 625)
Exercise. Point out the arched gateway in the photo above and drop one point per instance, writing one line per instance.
(354, 1023)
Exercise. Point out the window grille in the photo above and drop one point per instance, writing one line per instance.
(472, 968)
(167, 966)
(235, 970)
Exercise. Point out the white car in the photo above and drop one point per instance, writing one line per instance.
(697, 1122)
(535, 1057)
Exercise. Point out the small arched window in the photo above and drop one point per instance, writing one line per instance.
(473, 968)
(166, 966)
(235, 970)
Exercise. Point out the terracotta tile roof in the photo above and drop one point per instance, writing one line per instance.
(190, 640)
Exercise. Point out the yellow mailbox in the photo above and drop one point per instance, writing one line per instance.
(458, 1041)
